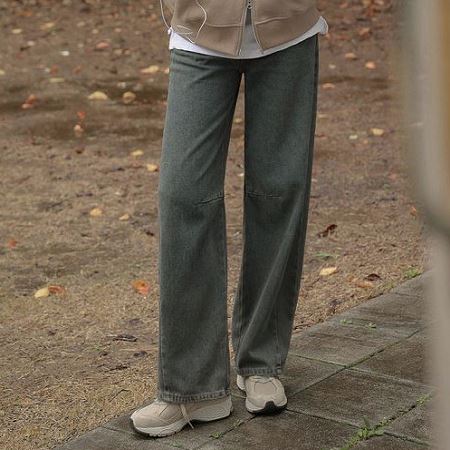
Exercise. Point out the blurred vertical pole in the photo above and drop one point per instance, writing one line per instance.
(426, 75)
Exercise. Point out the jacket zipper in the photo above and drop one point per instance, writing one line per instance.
(247, 7)
(242, 28)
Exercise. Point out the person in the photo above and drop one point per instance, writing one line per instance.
(274, 44)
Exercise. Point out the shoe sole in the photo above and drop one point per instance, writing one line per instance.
(206, 414)
(269, 408)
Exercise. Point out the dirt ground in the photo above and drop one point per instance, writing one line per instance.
(65, 157)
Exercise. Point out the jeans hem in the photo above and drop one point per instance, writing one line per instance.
(259, 371)
(186, 398)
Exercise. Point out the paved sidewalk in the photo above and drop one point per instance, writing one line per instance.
(356, 381)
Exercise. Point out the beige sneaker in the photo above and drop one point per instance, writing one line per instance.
(264, 395)
(161, 418)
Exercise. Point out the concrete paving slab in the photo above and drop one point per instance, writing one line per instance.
(287, 431)
(190, 438)
(398, 314)
(105, 439)
(417, 423)
(338, 348)
(389, 443)
(341, 327)
(417, 286)
(396, 304)
(405, 359)
(301, 373)
(351, 395)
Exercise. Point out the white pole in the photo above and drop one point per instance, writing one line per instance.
(426, 73)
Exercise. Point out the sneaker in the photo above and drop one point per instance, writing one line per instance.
(161, 418)
(264, 395)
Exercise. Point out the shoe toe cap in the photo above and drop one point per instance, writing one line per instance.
(143, 418)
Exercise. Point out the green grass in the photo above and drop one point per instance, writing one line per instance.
(412, 272)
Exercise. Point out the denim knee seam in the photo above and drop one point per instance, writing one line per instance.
(186, 398)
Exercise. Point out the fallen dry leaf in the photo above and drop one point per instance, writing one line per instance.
(47, 26)
(98, 95)
(128, 97)
(150, 69)
(124, 217)
(362, 283)
(95, 212)
(373, 277)
(371, 65)
(56, 289)
(326, 271)
(364, 32)
(377, 131)
(12, 243)
(102, 46)
(78, 130)
(141, 286)
(330, 229)
(41, 293)
(136, 153)
(81, 115)
(29, 102)
(152, 167)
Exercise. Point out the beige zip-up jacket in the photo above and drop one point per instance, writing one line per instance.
(219, 24)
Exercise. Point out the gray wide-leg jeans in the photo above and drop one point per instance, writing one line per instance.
(280, 115)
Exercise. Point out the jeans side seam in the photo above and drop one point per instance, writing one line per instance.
(310, 156)
(225, 295)
(241, 303)
(278, 354)
(160, 337)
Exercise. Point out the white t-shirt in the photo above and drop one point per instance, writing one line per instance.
(249, 46)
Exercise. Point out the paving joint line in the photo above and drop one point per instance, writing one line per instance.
(391, 377)
(364, 358)
(382, 424)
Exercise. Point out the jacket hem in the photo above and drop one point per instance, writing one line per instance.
(277, 31)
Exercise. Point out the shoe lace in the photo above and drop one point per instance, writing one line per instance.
(185, 414)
